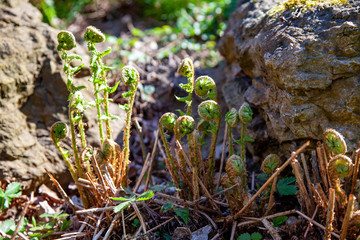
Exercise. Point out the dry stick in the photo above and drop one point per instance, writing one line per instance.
(61, 191)
(139, 130)
(271, 198)
(255, 220)
(22, 216)
(318, 199)
(142, 173)
(216, 236)
(316, 223)
(123, 224)
(315, 167)
(276, 173)
(99, 175)
(330, 214)
(140, 217)
(93, 210)
(209, 219)
(347, 217)
(23, 236)
(222, 157)
(96, 191)
(356, 170)
(310, 224)
(99, 221)
(112, 225)
(275, 235)
(160, 225)
(306, 171)
(233, 230)
(322, 165)
(303, 192)
(152, 160)
(97, 235)
(322, 194)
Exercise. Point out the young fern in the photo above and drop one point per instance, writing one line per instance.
(186, 69)
(245, 116)
(205, 87)
(232, 120)
(334, 142)
(210, 111)
(339, 167)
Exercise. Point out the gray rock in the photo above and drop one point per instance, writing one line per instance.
(34, 96)
(305, 73)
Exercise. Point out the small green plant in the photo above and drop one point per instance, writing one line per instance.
(253, 236)
(278, 221)
(111, 161)
(286, 187)
(8, 227)
(127, 201)
(183, 213)
(13, 190)
(57, 223)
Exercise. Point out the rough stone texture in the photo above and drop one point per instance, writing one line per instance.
(305, 74)
(34, 96)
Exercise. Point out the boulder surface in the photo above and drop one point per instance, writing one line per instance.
(299, 68)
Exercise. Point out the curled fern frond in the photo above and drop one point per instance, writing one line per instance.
(184, 125)
(206, 87)
(66, 41)
(340, 166)
(245, 113)
(270, 163)
(203, 126)
(93, 35)
(168, 120)
(129, 75)
(235, 167)
(186, 68)
(334, 142)
(232, 118)
(209, 110)
(58, 131)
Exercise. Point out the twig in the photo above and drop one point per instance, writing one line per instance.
(304, 195)
(356, 170)
(98, 223)
(277, 172)
(322, 194)
(112, 225)
(315, 167)
(347, 217)
(209, 219)
(275, 235)
(310, 224)
(253, 181)
(330, 214)
(22, 216)
(23, 236)
(140, 217)
(233, 230)
(222, 158)
(73, 235)
(152, 160)
(123, 224)
(97, 235)
(306, 171)
(216, 236)
(322, 163)
(160, 225)
(139, 130)
(61, 191)
(271, 198)
(316, 223)
(142, 173)
(92, 210)
(98, 173)
(318, 199)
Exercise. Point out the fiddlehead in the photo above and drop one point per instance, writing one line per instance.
(270, 163)
(59, 131)
(93, 35)
(232, 120)
(66, 41)
(210, 111)
(339, 167)
(245, 116)
(186, 69)
(334, 142)
(184, 125)
(131, 77)
(206, 87)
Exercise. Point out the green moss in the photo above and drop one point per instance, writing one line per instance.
(306, 4)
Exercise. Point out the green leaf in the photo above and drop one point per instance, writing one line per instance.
(122, 206)
(127, 94)
(262, 176)
(13, 190)
(135, 223)
(114, 117)
(244, 236)
(104, 53)
(248, 139)
(279, 220)
(256, 236)
(285, 186)
(122, 198)
(79, 88)
(104, 118)
(8, 226)
(183, 213)
(145, 196)
(65, 225)
(181, 112)
(113, 89)
(166, 207)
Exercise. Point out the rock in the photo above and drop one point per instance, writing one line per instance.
(304, 71)
(34, 96)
